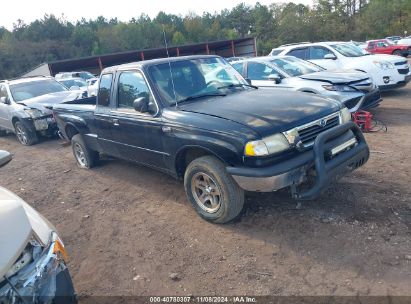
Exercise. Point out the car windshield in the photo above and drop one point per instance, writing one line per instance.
(295, 67)
(74, 82)
(348, 50)
(192, 79)
(27, 90)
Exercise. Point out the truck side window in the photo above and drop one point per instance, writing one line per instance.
(103, 96)
(132, 85)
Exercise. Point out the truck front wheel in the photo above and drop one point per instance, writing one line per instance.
(212, 191)
(85, 157)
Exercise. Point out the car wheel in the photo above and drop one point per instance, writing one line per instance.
(212, 191)
(85, 157)
(24, 136)
(397, 52)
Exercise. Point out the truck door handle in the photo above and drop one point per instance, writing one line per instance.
(116, 122)
(166, 129)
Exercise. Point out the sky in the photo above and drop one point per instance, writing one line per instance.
(124, 10)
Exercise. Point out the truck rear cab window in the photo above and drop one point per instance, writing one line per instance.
(103, 96)
(131, 86)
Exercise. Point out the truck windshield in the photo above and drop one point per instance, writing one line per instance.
(295, 67)
(27, 90)
(180, 80)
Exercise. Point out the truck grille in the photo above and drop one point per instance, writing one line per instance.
(404, 71)
(310, 131)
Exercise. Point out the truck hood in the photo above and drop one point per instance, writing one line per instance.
(336, 76)
(18, 222)
(264, 111)
(50, 99)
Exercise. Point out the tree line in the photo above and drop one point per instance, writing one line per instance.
(54, 38)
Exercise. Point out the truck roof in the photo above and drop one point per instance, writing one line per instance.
(145, 63)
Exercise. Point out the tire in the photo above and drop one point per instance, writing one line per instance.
(24, 136)
(397, 53)
(207, 175)
(85, 157)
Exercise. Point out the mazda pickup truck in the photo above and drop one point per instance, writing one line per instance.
(221, 135)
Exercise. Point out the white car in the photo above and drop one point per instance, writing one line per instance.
(387, 71)
(406, 41)
(352, 88)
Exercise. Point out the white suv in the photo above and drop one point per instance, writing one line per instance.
(387, 71)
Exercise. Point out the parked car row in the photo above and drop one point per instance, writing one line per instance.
(260, 124)
(387, 71)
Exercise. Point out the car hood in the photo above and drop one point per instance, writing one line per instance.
(50, 99)
(264, 111)
(381, 57)
(336, 76)
(18, 223)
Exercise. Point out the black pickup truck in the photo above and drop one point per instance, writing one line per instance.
(197, 119)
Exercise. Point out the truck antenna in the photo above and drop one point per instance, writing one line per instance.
(169, 66)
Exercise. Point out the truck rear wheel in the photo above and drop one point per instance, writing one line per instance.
(85, 157)
(212, 191)
(24, 136)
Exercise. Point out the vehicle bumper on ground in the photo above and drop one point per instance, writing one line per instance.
(335, 152)
(46, 281)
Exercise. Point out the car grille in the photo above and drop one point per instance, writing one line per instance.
(309, 132)
(401, 62)
(404, 71)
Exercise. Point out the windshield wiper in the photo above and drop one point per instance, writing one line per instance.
(238, 85)
(199, 96)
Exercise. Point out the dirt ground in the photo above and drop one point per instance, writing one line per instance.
(127, 228)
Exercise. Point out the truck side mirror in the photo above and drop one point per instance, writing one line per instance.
(330, 56)
(4, 100)
(5, 157)
(275, 77)
(141, 104)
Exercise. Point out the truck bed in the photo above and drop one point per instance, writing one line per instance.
(85, 104)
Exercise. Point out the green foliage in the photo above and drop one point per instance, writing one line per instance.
(51, 38)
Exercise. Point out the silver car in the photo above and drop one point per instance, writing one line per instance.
(32, 256)
(353, 88)
(24, 106)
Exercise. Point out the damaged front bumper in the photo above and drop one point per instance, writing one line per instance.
(44, 281)
(45, 125)
(335, 152)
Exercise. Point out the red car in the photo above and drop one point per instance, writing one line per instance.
(384, 46)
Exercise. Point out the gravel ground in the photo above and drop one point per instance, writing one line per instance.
(130, 230)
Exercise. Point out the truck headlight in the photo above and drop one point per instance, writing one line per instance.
(268, 145)
(345, 115)
(339, 88)
(383, 65)
(34, 113)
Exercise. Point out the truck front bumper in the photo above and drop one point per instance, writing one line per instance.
(335, 152)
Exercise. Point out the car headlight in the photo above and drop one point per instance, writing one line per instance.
(345, 115)
(34, 113)
(384, 65)
(268, 145)
(339, 88)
